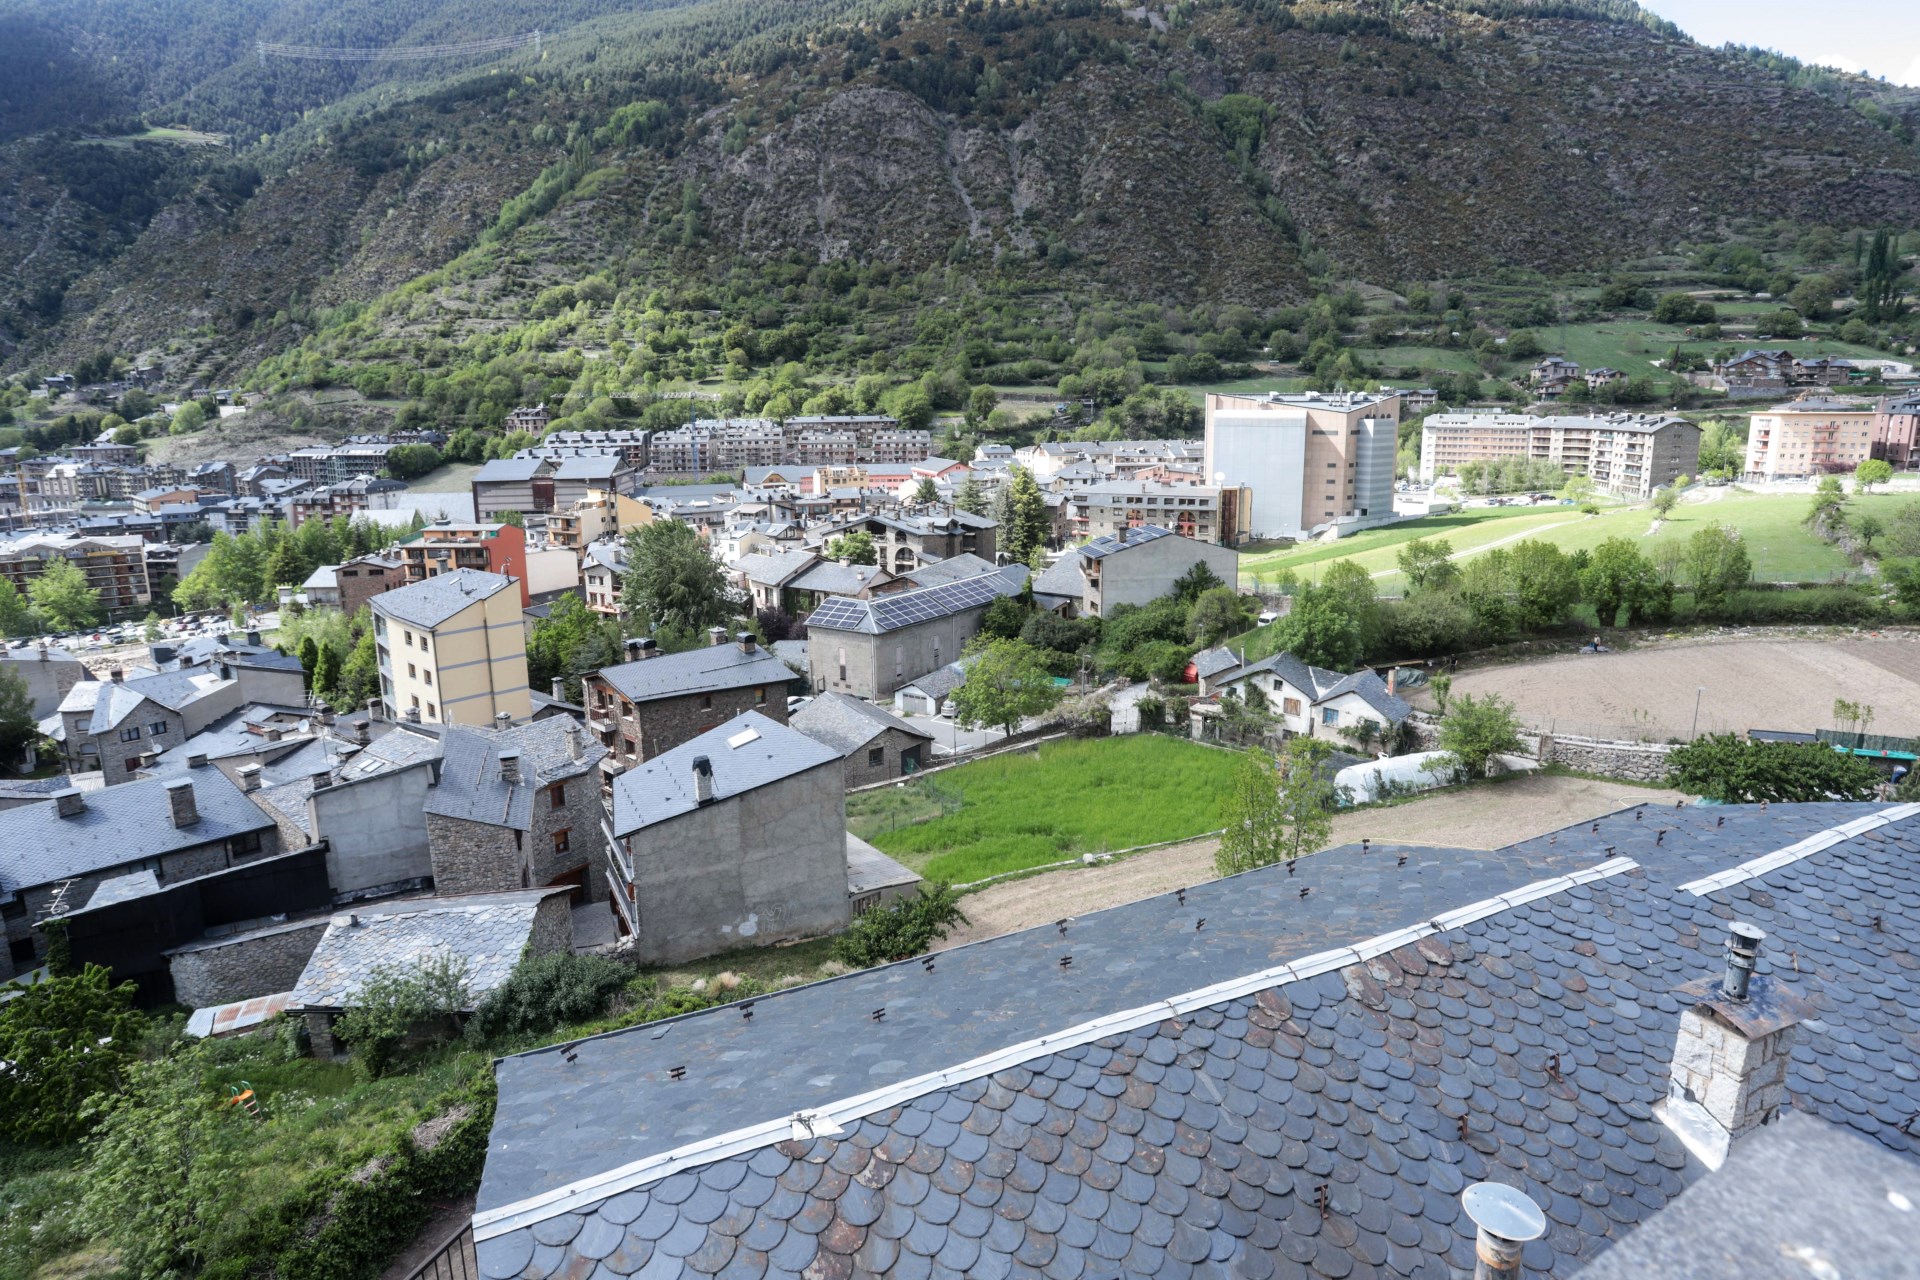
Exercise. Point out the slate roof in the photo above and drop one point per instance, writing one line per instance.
(591, 466)
(662, 788)
(170, 689)
(704, 670)
(953, 568)
(508, 470)
(1320, 684)
(941, 681)
(846, 723)
(130, 822)
(1318, 1119)
(470, 786)
(1062, 578)
(431, 602)
(1211, 662)
(135, 884)
(773, 568)
(489, 930)
(833, 578)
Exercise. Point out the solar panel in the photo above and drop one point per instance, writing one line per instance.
(838, 612)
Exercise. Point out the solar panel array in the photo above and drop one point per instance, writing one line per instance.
(890, 613)
(1106, 545)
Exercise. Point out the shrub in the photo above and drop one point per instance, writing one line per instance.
(904, 929)
(545, 991)
(1812, 605)
(1722, 767)
(397, 999)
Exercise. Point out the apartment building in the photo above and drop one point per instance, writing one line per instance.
(1809, 437)
(114, 565)
(1205, 513)
(897, 444)
(1896, 430)
(630, 444)
(448, 545)
(823, 448)
(711, 445)
(453, 649)
(1624, 453)
(1310, 459)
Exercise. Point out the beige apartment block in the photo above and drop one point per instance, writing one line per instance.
(453, 649)
(1813, 436)
(1625, 453)
(1310, 460)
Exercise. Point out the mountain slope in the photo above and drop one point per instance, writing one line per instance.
(1212, 152)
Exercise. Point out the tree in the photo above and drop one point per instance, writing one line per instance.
(1866, 526)
(1475, 730)
(164, 1159)
(1007, 682)
(673, 582)
(1727, 769)
(855, 548)
(926, 493)
(62, 596)
(1578, 488)
(1717, 565)
(285, 567)
(1023, 520)
(326, 675)
(1870, 472)
(18, 727)
(395, 999)
(1827, 512)
(980, 405)
(1812, 297)
(360, 675)
(1618, 578)
(1005, 618)
(63, 1040)
(1218, 613)
(972, 499)
(1322, 629)
(1664, 500)
(16, 615)
(513, 518)
(1428, 562)
(1195, 582)
(150, 627)
(1544, 582)
(188, 418)
(1273, 814)
(1879, 291)
(1721, 449)
(903, 929)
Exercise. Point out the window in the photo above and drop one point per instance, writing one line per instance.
(1291, 706)
(413, 672)
(562, 840)
(706, 702)
(557, 796)
(843, 666)
(423, 644)
(408, 636)
(876, 757)
(427, 675)
(432, 712)
(1329, 715)
(158, 729)
(416, 702)
(760, 696)
(133, 764)
(245, 845)
(130, 734)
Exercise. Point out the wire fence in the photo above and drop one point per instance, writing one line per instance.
(921, 798)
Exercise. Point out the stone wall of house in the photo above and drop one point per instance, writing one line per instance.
(259, 963)
(474, 857)
(893, 744)
(579, 815)
(114, 754)
(665, 723)
(552, 927)
(876, 666)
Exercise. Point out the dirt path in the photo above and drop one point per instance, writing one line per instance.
(1478, 818)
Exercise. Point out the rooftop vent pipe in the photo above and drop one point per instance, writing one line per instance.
(1507, 1219)
(1743, 955)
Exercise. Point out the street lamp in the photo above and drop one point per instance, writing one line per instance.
(1698, 692)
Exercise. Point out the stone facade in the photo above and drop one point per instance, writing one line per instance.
(262, 962)
(1741, 1082)
(475, 857)
(478, 857)
(552, 928)
(648, 729)
(118, 756)
(875, 666)
(1632, 761)
(896, 750)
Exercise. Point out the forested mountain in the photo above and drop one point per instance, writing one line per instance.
(1044, 151)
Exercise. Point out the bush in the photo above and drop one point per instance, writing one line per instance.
(904, 929)
(395, 1001)
(544, 992)
(1809, 606)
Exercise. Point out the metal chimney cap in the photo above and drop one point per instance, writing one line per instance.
(1503, 1211)
(1751, 934)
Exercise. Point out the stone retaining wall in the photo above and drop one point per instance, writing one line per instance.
(1632, 761)
(263, 962)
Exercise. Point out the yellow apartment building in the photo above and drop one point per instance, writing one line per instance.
(453, 649)
(1808, 437)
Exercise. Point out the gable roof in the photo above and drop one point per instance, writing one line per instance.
(910, 608)
(488, 930)
(173, 690)
(708, 669)
(509, 470)
(432, 601)
(128, 822)
(1108, 544)
(1311, 1080)
(773, 568)
(662, 788)
(846, 723)
(1321, 685)
(471, 788)
(952, 569)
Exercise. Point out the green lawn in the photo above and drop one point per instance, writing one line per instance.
(448, 477)
(1026, 809)
(1486, 524)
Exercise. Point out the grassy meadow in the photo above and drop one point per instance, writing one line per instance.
(1026, 809)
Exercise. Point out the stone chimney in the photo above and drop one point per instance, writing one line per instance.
(197, 760)
(361, 733)
(702, 780)
(249, 777)
(70, 803)
(1730, 1061)
(180, 802)
(648, 647)
(559, 689)
(716, 635)
(1393, 679)
(273, 733)
(747, 642)
(575, 749)
(510, 767)
(253, 638)
(118, 675)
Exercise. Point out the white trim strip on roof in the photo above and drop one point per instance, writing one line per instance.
(492, 1223)
(1753, 868)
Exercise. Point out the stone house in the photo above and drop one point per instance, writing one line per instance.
(875, 744)
(658, 701)
(1135, 565)
(1311, 701)
(55, 853)
(491, 932)
(905, 542)
(735, 838)
(118, 725)
(516, 809)
(871, 648)
(48, 671)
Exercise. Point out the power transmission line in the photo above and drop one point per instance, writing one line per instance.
(410, 53)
